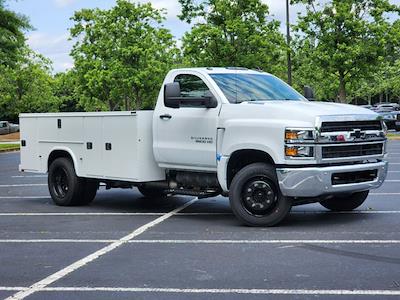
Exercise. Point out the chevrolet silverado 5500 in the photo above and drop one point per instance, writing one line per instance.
(240, 133)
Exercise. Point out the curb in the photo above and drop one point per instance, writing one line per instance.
(9, 150)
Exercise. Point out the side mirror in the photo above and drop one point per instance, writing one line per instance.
(173, 99)
(309, 93)
(210, 101)
(172, 92)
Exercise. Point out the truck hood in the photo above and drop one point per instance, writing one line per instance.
(307, 110)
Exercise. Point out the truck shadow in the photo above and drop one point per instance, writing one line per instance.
(217, 210)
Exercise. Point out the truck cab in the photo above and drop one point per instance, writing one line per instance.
(241, 133)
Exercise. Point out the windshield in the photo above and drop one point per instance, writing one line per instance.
(254, 87)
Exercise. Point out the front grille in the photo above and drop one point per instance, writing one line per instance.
(351, 125)
(354, 177)
(352, 150)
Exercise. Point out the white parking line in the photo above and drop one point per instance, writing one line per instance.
(214, 291)
(393, 171)
(29, 176)
(383, 194)
(17, 241)
(265, 241)
(325, 212)
(25, 197)
(38, 286)
(23, 185)
(12, 288)
(81, 214)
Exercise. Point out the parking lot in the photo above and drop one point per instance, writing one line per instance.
(128, 247)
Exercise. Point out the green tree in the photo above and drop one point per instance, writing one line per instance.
(347, 38)
(232, 33)
(26, 87)
(64, 89)
(121, 55)
(12, 38)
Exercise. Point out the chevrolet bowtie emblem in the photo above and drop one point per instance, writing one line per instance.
(358, 134)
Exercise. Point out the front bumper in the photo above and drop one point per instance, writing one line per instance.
(317, 181)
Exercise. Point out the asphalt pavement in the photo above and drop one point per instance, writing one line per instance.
(125, 246)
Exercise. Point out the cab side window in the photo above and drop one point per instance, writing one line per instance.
(192, 86)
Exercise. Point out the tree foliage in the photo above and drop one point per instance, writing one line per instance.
(121, 55)
(345, 39)
(12, 38)
(232, 33)
(26, 87)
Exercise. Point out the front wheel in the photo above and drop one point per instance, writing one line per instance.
(345, 203)
(255, 196)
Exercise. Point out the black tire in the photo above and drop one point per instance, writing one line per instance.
(255, 197)
(88, 191)
(345, 203)
(151, 192)
(397, 128)
(67, 189)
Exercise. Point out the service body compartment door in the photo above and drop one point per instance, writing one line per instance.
(29, 153)
(93, 147)
(119, 147)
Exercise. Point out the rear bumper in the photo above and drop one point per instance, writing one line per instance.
(317, 181)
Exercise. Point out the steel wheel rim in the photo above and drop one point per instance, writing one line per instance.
(60, 182)
(259, 196)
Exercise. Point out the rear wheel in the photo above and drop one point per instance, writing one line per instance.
(255, 196)
(89, 191)
(345, 203)
(67, 189)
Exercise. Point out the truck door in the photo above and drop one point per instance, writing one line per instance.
(185, 137)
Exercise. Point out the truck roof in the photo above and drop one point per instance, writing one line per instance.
(222, 70)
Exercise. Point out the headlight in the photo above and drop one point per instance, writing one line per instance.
(298, 135)
(299, 151)
(385, 128)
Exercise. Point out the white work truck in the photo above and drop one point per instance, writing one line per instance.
(240, 133)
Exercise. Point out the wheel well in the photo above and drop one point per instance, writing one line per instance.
(57, 154)
(241, 158)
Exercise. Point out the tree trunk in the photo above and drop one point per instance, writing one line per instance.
(127, 104)
(342, 88)
(138, 100)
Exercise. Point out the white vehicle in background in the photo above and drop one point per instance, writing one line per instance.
(387, 106)
(231, 131)
(7, 127)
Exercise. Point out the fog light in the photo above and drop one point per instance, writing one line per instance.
(291, 151)
(299, 151)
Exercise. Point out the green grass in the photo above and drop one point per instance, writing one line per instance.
(393, 136)
(5, 147)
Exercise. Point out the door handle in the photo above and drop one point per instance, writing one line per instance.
(165, 117)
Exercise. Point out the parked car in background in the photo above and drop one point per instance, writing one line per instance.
(387, 106)
(367, 106)
(397, 122)
(7, 127)
(391, 119)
